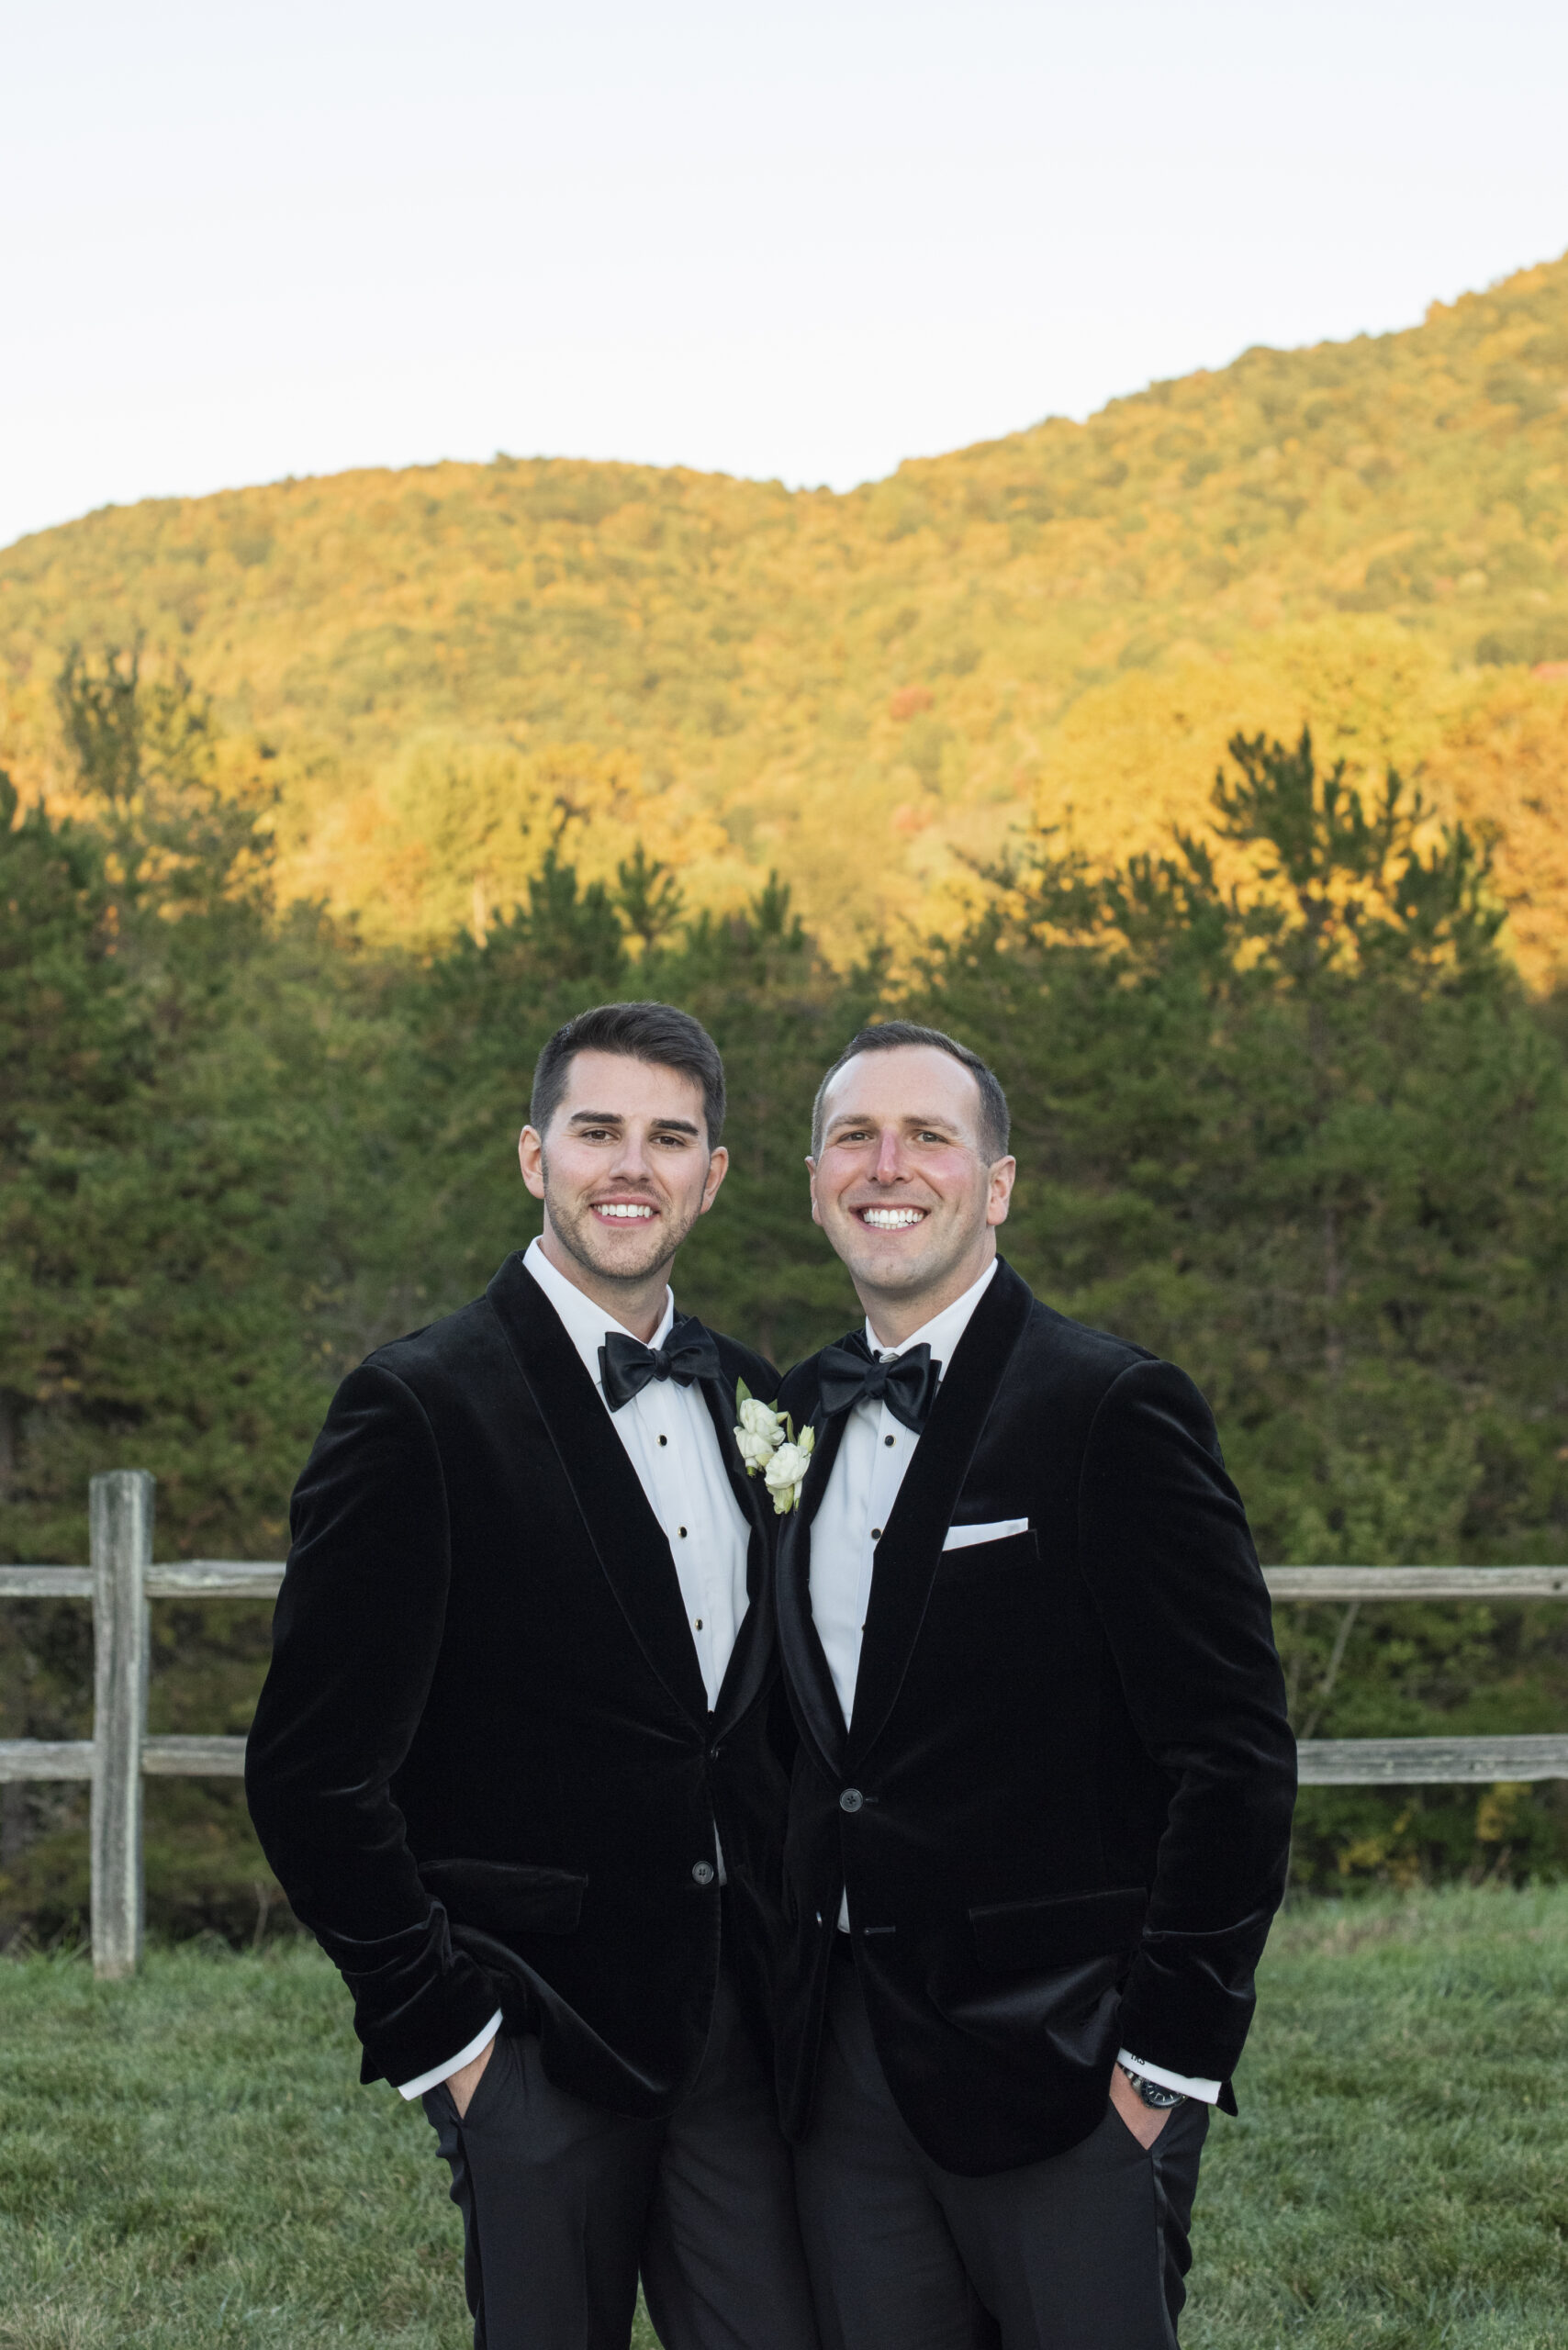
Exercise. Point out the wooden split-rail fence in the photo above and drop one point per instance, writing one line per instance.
(123, 1579)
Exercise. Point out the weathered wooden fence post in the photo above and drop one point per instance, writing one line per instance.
(120, 1519)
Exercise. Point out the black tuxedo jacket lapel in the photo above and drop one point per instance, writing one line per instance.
(748, 1669)
(805, 1662)
(626, 1536)
(910, 1548)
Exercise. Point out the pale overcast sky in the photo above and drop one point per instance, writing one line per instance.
(802, 241)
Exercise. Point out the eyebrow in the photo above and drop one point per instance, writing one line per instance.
(618, 1118)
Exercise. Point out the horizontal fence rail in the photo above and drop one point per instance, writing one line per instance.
(185, 1579)
(261, 1579)
(162, 1758)
(123, 1579)
(46, 1758)
(1416, 1583)
(1428, 1762)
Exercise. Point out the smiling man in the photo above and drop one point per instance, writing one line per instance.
(1041, 1809)
(511, 1762)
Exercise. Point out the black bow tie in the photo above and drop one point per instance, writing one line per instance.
(850, 1374)
(626, 1365)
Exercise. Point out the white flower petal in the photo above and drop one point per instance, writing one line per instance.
(787, 1467)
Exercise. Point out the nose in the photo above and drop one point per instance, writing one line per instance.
(889, 1167)
(632, 1161)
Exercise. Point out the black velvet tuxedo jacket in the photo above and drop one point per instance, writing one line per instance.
(483, 1764)
(1063, 1809)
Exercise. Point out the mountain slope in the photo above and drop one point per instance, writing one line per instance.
(441, 667)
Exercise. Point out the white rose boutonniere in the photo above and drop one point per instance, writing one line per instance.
(760, 1432)
(767, 1442)
(786, 1472)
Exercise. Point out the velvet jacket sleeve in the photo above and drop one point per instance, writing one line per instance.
(355, 1638)
(1165, 1544)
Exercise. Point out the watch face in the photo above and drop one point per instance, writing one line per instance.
(1162, 2100)
(1159, 2099)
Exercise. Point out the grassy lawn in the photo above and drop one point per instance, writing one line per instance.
(1398, 2175)
(188, 2160)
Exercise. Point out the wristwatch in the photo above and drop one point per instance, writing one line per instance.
(1153, 2093)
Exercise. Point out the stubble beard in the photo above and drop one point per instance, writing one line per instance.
(898, 1278)
(581, 1237)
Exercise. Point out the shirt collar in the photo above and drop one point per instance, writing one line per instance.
(943, 1330)
(586, 1324)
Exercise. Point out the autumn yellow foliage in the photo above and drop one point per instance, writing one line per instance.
(445, 669)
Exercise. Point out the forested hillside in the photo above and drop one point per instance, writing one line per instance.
(435, 675)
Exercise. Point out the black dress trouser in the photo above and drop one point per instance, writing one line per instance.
(563, 2204)
(1084, 2252)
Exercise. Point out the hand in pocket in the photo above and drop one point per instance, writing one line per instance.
(465, 2080)
(1145, 2122)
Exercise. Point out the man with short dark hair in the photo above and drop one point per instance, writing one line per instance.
(1040, 1812)
(511, 1762)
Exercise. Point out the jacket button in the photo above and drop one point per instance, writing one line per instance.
(704, 1871)
(851, 1799)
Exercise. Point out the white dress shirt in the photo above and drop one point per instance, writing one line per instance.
(674, 1447)
(869, 1468)
(671, 1443)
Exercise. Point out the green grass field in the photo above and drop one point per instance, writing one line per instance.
(188, 2160)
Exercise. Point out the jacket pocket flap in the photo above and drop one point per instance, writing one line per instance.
(506, 1898)
(1012, 1937)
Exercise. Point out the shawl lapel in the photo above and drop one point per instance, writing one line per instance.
(910, 1548)
(627, 1537)
(746, 1671)
(805, 1663)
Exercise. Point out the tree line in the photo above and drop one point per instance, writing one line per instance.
(1281, 1110)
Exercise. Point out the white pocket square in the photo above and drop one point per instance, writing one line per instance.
(964, 1538)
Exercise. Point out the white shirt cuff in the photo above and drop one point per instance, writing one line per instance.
(439, 2072)
(1206, 2092)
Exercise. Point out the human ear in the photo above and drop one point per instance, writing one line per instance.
(718, 1167)
(999, 1194)
(531, 1159)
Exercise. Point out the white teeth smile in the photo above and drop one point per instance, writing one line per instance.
(623, 1210)
(892, 1219)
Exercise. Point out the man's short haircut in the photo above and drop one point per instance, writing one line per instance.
(993, 1125)
(654, 1033)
